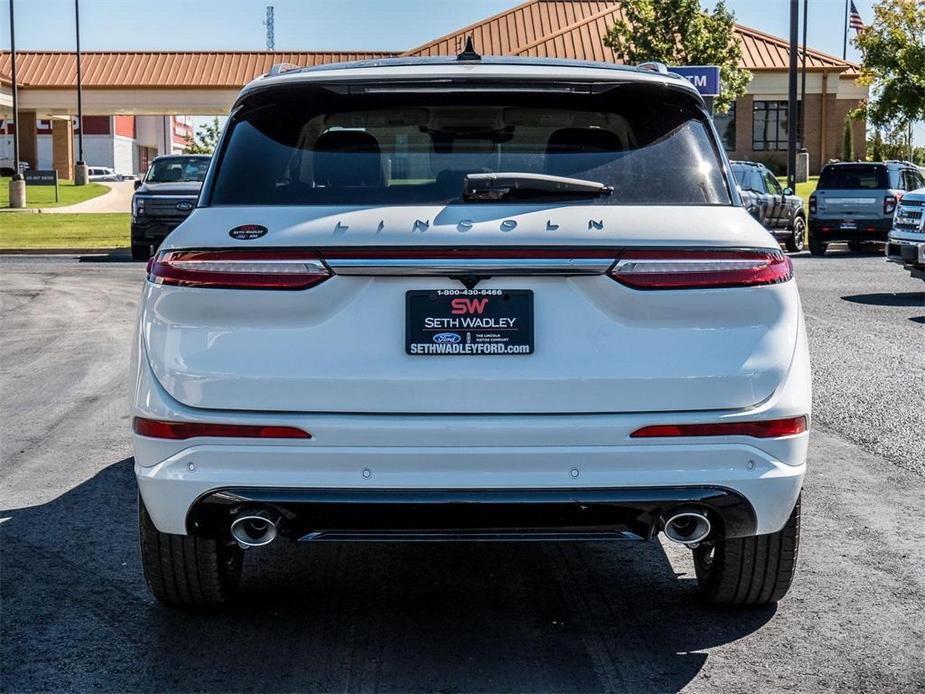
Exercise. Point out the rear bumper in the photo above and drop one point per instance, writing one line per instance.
(830, 230)
(472, 514)
(153, 229)
(766, 473)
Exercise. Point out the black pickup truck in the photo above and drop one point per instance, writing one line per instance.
(779, 210)
(164, 198)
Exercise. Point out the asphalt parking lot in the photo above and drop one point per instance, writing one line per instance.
(510, 617)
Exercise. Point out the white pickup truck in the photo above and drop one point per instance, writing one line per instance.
(906, 241)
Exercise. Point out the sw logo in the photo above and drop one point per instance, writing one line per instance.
(468, 306)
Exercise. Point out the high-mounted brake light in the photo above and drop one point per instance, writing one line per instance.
(238, 269)
(701, 269)
(159, 429)
(769, 429)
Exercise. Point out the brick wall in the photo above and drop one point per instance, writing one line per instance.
(821, 146)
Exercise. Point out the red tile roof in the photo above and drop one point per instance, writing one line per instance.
(214, 69)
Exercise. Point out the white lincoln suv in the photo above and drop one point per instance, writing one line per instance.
(470, 299)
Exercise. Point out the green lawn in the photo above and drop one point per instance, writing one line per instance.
(804, 190)
(22, 230)
(44, 196)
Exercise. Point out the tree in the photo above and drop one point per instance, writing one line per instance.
(888, 144)
(893, 63)
(678, 32)
(206, 139)
(847, 148)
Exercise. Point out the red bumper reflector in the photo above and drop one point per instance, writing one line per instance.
(158, 429)
(769, 429)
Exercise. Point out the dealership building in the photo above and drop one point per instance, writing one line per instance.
(137, 104)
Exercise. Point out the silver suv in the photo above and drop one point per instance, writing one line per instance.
(855, 202)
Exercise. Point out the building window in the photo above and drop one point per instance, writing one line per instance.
(769, 126)
(726, 127)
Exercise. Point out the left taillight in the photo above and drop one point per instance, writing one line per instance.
(238, 269)
(701, 269)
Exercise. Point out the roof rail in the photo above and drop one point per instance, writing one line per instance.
(280, 68)
(653, 66)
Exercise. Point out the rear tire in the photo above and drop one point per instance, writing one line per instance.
(750, 570)
(816, 247)
(797, 238)
(187, 571)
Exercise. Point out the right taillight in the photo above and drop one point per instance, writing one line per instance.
(812, 204)
(701, 269)
(238, 269)
(889, 204)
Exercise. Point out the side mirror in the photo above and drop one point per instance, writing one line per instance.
(788, 191)
(137, 184)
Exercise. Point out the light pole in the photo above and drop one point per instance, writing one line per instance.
(80, 169)
(792, 97)
(17, 183)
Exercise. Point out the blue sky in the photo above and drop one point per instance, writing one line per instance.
(319, 24)
(326, 24)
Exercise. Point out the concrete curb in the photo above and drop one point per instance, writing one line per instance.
(62, 251)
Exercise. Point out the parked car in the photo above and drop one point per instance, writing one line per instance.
(164, 198)
(855, 202)
(7, 168)
(906, 242)
(470, 299)
(777, 208)
(103, 173)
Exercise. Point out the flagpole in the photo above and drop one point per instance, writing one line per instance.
(844, 50)
(792, 96)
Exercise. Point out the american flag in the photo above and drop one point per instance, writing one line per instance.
(854, 19)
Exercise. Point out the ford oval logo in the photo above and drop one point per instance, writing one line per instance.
(447, 338)
(184, 206)
(248, 232)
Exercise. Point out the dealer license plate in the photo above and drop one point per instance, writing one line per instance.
(469, 321)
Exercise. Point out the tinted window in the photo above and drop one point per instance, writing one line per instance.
(748, 178)
(328, 149)
(913, 180)
(177, 169)
(853, 177)
(771, 183)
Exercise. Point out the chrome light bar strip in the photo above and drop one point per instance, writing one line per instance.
(444, 266)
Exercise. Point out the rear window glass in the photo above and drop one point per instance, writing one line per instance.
(177, 170)
(315, 147)
(848, 177)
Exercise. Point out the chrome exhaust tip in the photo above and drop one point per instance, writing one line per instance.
(687, 528)
(254, 528)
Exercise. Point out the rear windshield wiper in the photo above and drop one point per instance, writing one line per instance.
(505, 185)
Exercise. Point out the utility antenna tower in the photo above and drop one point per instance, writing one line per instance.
(268, 22)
